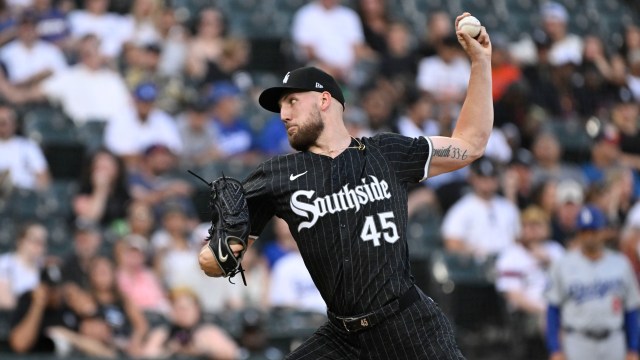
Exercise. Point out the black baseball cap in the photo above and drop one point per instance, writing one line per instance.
(300, 80)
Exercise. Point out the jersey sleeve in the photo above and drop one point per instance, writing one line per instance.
(258, 195)
(409, 157)
(553, 292)
(632, 294)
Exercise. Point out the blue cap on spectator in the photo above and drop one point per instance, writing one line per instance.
(146, 92)
(554, 11)
(221, 90)
(591, 218)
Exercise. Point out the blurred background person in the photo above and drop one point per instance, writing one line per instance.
(20, 269)
(103, 195)
(187, 335)
(22, 164)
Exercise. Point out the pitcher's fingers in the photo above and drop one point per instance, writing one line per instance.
(460, 17)
(483, 37)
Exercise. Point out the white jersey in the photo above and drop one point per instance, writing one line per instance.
(593, 295)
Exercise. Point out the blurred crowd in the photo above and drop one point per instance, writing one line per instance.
(172, 93)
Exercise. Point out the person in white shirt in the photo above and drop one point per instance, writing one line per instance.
(22, 162)
(87, 91)
(291, 284)
(29, 60)
(445, 75)
(20, 270)
(482, 223)
(522, 275)
(329, 34)
(113, 30)
(149, 126)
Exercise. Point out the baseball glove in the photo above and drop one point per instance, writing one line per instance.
(229, 224)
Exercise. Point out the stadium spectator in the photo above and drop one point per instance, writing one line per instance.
(187, 334)
(205, 46)
(272, 138)
(112, 29)
(87, 241)
(445, 76)
(439, 26)
(507, 84)
(376, 24)
(379, 105)
(522, 276)
(174, 255)
(540, 77)
(565, 47)
(173, 41)
(614, 196)
(594, 78)
(129, 137)
(7, 23)
(153, 181)
(103, 195)
(256, 294)
(29, 60)
(291, 286)
(517, 182)
(399, 63)
(569, 198)
(136, 280)
(117, 322)
(417, 115)
(624, 112)
(328, 35)
(235, 138)
(281, 244)
(232, 63)
(80, 89)
(22, 164)
(482, 223)
(605, 155)
(548, 161)
(43, 324)
(20, 269)
(198, 136)
(143, 18)
(53, 25)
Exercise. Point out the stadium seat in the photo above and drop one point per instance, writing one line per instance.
(46, 125)
(25, 205)
(60, 197)
(5, 327)
(60, 237)
(8, 234)
(91, 134)
(573, 138)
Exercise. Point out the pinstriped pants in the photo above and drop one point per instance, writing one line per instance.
(420, 331)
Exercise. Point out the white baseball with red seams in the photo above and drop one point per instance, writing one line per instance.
(470, 25)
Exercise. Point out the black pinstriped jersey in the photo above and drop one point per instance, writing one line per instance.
(347, 214)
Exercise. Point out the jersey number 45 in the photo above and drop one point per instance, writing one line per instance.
(389, 231)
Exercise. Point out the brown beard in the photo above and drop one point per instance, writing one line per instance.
(308, 134)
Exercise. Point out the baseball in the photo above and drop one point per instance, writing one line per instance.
(469, 25)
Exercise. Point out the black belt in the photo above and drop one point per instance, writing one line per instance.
(601, 334)
(361, 322)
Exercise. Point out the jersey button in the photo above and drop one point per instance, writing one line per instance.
(346, 259)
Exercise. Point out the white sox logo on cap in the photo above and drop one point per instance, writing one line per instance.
(286, 78)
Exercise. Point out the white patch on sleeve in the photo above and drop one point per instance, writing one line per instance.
(428, 163)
